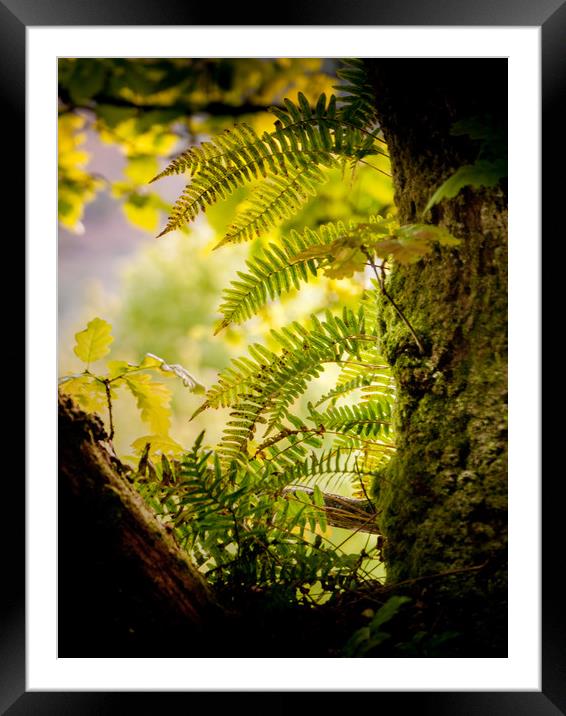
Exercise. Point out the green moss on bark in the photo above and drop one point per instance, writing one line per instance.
(443, 497)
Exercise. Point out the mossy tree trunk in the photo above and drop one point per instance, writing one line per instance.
(443, 497)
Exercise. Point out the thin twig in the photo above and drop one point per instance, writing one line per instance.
(369, 164)
(448, 573)
(366, 522)
(109, 402)
(359, 474)
(381, 283)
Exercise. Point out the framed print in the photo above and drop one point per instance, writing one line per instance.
(151, 576)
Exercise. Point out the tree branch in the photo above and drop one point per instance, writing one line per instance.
(216, 109)
(123, 581)
(346, 512)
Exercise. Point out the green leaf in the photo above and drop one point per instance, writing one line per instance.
(371, 636)
(318, 497)
(153, 401)
(94, 342)
(427, 232)
(312, 252)
(113, 116)
(388, 611)
(405, 251)
(87, 79)
(482, 173)
(118, 368)
(344, 256)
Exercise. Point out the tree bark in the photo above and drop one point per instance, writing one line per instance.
(443, 497)
(123, 582)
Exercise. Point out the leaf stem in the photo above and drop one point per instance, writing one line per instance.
(109, 403)
(369, 164)
(381, 282)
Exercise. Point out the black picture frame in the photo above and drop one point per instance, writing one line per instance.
(15, 16)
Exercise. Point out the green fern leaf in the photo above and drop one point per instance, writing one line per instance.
(264, 385)
(370, 419)
(356, 95)
(344, 389)
(287, 160)
(327, 467)
(273, 272)
(275, 200)
(279, 270)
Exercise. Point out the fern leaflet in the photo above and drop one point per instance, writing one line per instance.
(275, 200)
(356, 95)
(303, 140)
(262, 387)
(276, 270)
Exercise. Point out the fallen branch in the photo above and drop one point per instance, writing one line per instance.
(345, 512)
(122, 578)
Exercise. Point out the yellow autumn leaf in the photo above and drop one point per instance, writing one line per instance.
(405, 251)
(347, 261)
(158, 444)
(89, 392)
(119, 368)
(94, 342)
(153, 400)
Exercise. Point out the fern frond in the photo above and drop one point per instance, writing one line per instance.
(335, 340)
(280, 269)
(322, 468)
(356, 95)
(370, 419)
(276, 199)
(232, 146)
(204, 491)
(376, 451)
(303, 141)
(289, 450)
(273, 272)
(262, 387)
(238, 378)
(344, 389)
(371, 374)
